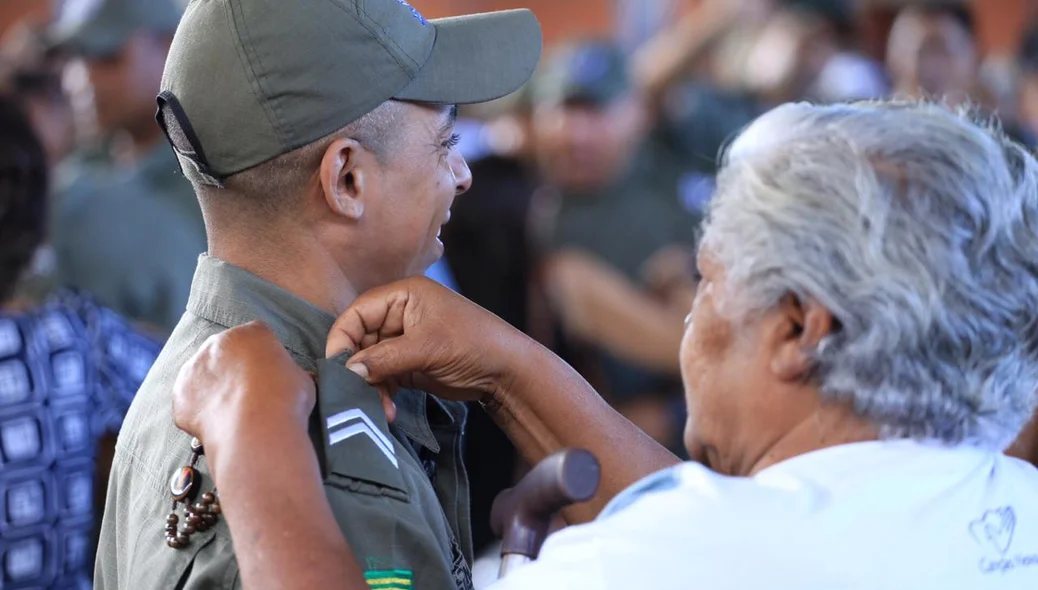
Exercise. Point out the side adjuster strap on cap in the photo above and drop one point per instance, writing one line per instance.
(181, 135)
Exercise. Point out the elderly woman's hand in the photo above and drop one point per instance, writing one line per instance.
(241, 383)
(418, 334)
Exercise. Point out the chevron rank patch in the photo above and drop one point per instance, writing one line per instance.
(350, 423)
(389, 579)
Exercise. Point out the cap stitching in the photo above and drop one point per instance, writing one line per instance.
(379, 38)
(273, 117)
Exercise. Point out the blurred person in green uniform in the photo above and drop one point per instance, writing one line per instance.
(319, 137)
(626, 177)
(131, 235)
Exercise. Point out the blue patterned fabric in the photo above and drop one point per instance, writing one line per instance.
(68, 371)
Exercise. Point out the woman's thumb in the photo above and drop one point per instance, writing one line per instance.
(385, 360)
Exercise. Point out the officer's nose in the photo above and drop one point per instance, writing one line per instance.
(460, 169)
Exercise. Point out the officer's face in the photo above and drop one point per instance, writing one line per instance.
(419, 179)
(125, 84)
(584, 147)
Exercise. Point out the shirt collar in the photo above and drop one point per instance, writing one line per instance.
(231, 296)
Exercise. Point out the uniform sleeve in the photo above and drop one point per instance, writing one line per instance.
(380, 496)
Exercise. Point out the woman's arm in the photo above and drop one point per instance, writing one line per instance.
(420, 334)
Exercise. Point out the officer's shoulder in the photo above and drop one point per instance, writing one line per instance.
(351, 431)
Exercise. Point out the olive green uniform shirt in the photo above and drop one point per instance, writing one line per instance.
(399, 494)
(132, 239)
(627, 222)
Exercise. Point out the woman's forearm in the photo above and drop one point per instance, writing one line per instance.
(273, 500)
(547, 406)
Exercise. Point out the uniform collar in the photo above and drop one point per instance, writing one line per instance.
(231, 296)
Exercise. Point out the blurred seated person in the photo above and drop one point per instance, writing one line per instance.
(132, 239)
(616, 194)
(933, 53)
(68, 370)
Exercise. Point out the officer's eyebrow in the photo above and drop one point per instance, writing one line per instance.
(452, 118)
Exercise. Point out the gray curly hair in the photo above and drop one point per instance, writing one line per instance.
(917, 227)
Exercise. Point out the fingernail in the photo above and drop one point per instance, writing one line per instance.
(359, 369)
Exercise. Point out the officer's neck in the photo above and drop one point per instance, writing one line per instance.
(304, 270)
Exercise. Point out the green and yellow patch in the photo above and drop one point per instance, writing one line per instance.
(389, 579)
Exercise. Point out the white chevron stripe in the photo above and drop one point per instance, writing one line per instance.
(360, 428)
(354, 414)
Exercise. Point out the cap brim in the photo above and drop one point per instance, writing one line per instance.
(477, 58)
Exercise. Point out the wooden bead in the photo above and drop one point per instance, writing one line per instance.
(187, 529)
(200, 509)
(193, 519)
(208, 498)
(184, 483)
(173, 542)
(172, 519)
(209, 519)
(182, 539)
(215, 508)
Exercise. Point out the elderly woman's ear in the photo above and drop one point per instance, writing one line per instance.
(801, 326)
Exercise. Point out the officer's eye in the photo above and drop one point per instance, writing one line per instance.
(452, 142)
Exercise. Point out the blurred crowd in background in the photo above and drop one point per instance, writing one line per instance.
(580, 228)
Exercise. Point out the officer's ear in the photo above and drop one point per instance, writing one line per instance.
(345, 176)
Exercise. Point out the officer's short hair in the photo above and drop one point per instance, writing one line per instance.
(270, 187)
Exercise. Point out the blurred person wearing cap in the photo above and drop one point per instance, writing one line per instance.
(319, 138)
(614, 194)
(132, 236)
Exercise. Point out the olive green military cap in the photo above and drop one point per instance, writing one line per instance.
(249, 80)
(588, 71)
(100, 28)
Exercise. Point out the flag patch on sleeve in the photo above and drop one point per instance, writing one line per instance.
(389, 579)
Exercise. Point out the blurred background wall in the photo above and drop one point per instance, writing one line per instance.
(1001, 22)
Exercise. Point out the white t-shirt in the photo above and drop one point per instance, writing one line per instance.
(890, 515)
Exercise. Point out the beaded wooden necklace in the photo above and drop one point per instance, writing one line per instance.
(184, 486)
